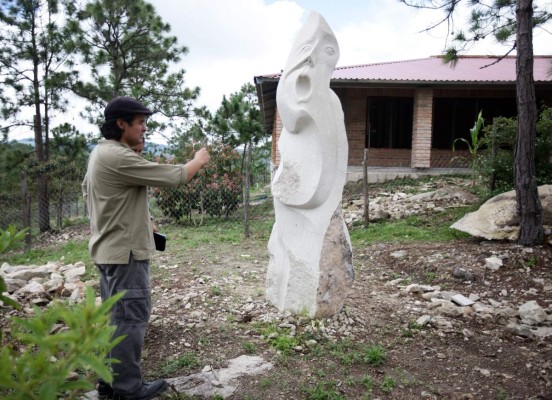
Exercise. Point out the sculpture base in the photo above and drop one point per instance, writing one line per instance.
(317, 287)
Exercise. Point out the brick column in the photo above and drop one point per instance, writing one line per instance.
(276, 132)
(422, 127)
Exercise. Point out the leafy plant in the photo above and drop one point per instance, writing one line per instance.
(430, 276)
(501, 395)
(531, 262)
(284, 343)
(343, 352)
(474, 143)
(6, 300)
(279, 338)
(40, 360)
(216, 290)
(412, 329)
(496, 159)
(10, 236)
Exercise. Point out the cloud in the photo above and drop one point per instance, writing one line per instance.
(230, 41)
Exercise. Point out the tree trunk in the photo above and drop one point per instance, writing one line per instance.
(42, 179)
(529, 207)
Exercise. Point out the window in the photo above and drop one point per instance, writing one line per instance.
(389, 122)
(454, 117)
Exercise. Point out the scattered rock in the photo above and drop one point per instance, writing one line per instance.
(401, 205)
(34, 284)
(493, 263)
(531, 313)
(461, 273)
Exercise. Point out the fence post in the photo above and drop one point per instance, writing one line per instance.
(26, 209)
(247, 189)
(365, 181)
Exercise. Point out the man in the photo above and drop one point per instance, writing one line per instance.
(121, 242)
(139, 149)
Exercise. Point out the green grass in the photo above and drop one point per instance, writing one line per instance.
(187, 360)
(219, 234)
(424, 228)
(216, 291)
(367, 382)
(226, 234)
(388, 384)
(324, 390)
(72, 252)
(374, 355)
(249, 347)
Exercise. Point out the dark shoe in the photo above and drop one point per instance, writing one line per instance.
(148, 391)
(105, 391)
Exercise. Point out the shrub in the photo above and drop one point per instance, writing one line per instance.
(8, 238)
(45, 362)
(216, 190)
(498, 165)
(474, 144)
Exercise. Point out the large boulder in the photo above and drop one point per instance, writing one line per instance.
(497, 219)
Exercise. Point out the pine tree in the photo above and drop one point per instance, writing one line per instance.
(511, 23)
(129, 52)
(33, 60)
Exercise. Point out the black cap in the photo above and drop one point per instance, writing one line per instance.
(124, 107)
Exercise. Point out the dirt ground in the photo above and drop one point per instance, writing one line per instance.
(209, 307)
(211, 304)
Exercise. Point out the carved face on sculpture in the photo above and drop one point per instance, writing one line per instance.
(307, 106)
(315, 45)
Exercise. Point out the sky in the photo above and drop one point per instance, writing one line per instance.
(231, 42)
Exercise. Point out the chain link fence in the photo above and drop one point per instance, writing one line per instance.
(207, 198)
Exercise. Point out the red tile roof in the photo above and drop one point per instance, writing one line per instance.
(433, 69)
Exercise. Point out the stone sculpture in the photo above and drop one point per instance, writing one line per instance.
(310, 269)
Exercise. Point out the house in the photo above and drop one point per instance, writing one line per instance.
(409, 113)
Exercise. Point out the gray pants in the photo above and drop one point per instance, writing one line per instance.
(130, 315)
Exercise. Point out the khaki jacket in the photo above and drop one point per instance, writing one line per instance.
(115, 189)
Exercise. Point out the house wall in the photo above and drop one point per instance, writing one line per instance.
(354, 103)
(354, 107)
(450, 159)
